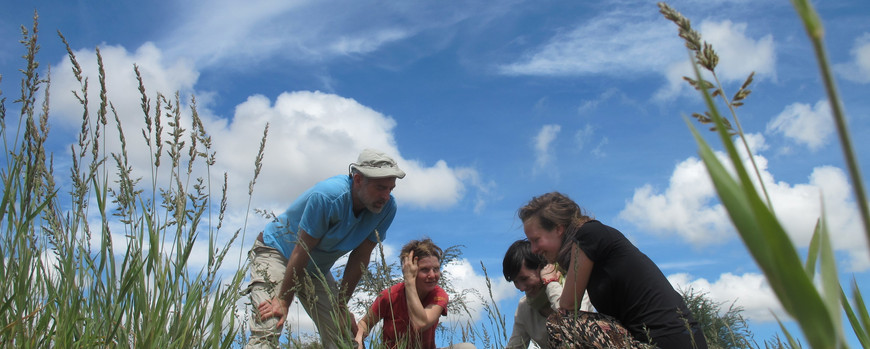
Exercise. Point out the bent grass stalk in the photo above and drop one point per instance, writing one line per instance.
(706, 57)
(815, 31)
(817, 312)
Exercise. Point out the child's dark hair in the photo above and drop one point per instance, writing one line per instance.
(519, 254)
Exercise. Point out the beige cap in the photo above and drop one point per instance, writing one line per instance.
(375, 164)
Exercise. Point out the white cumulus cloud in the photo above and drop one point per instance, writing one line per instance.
(811, 126)
(464, 277)
(689, 207)
(312, 135)
(857, 70)
(749, 291)
(739, 55)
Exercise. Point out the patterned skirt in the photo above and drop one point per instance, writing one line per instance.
(582, 329)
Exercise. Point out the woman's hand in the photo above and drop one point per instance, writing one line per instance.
(409, 268)
(354, 328)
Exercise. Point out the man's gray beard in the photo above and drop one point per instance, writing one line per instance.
(375, 210)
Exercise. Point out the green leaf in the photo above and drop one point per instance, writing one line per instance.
(861, 306)
(853, 320)
(813, 252)
(830, 280)
(767, 241)
(791, 341)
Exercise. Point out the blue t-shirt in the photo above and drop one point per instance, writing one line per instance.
(325, 211)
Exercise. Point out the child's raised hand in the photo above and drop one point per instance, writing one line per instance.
(549, 273)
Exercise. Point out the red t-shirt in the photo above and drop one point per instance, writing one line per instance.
(391, 305)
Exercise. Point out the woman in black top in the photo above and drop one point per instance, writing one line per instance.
(621, 281)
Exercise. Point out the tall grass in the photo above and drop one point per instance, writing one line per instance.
(817, 310)
(105, 261)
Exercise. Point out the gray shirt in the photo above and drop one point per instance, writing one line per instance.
(530, 325)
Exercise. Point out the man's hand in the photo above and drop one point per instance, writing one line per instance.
(275, 307)
(409, 268)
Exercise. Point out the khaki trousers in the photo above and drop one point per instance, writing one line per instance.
(316, 293)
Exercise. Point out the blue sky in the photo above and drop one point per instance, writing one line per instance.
(486, 105)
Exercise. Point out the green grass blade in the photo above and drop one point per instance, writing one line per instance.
(766, 240)
(813, 253)
(811, 20)
(860, 332)
(861, 307)
(815, 30)
(830, 280)
(8, 191)
(792, 343)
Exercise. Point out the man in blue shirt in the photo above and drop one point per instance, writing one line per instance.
(295, 252)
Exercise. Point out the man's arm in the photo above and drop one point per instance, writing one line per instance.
(299, 258)
(356, 262)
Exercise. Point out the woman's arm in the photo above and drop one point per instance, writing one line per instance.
(421, 318)
(576, 279)
(365, 324)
